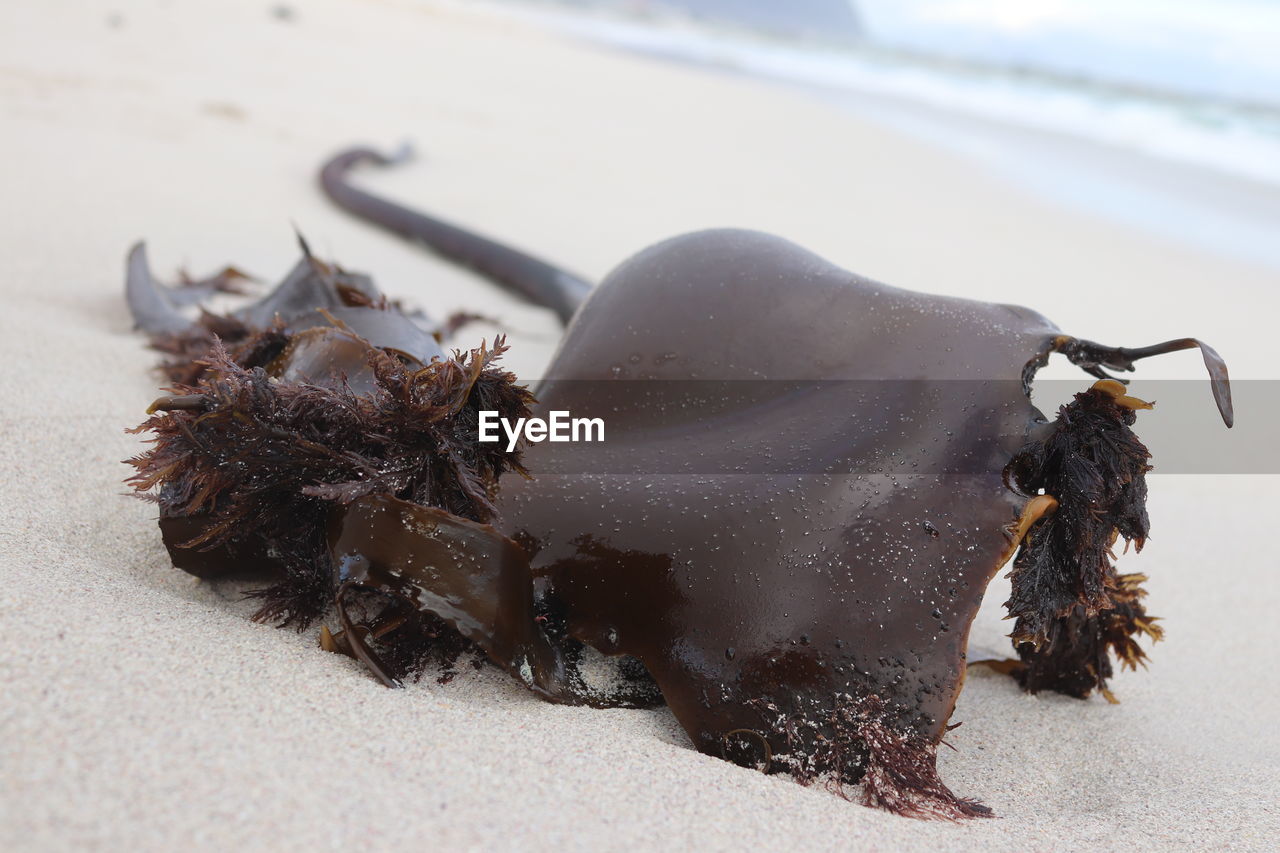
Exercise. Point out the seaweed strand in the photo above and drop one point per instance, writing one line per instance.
(857, 741)
(1072, 610)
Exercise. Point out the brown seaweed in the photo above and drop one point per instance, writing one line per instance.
(804, 495)
(249, 457)
(1073, 610)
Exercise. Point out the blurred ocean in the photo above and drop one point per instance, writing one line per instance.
(1190, 85)
(1226, 50)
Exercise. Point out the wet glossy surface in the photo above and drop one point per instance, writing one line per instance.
(798, 505)
(856, 572)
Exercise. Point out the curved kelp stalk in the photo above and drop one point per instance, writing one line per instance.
(531, 278)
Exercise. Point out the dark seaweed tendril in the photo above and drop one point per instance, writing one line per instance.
(1072, 608)
(857, 741)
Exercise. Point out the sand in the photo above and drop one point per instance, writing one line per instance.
(141, 709)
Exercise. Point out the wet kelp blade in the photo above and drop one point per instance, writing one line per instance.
(149, 301)
(463, 572)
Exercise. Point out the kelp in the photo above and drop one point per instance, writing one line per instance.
(857, 741)
(1072, 609)
(243, 464)
(793, 569)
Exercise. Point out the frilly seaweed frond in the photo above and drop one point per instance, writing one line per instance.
(303, 593)
(1071, 607)
(1075, 660)
(251, 456)
(189, 349)
(857, 740)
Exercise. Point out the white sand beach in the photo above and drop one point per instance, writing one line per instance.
(141, 709)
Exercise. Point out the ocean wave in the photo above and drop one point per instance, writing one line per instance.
(1230, 129)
